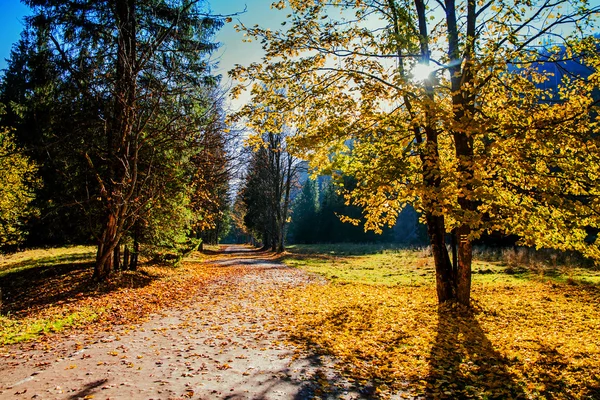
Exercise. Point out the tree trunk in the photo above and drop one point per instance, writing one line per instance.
(445, 285)
(117, 258)
(106, 247)
(463, 101)
(126, 258)
(119, 186)
(465, 256)
(286, 204)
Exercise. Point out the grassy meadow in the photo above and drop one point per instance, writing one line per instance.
(532, 332)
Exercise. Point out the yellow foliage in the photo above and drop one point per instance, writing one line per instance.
(17, 177)
(529, 158)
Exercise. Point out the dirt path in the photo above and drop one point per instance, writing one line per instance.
(216, 346)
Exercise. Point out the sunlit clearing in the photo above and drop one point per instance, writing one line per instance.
(420, 72)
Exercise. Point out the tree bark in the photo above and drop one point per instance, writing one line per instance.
(444, 281)
(463, 101)
(117, 258)
(430, 160)
(286, 204)
(106, 247)
(465, 256)
(118, 187)
(126, 258)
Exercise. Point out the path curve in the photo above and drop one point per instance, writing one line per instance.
(215, 346)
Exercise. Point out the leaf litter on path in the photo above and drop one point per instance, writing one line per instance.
(222, 342)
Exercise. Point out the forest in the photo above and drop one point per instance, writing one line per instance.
(398, 198)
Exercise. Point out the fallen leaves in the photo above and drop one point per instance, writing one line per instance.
(515, 344)
(49, 298)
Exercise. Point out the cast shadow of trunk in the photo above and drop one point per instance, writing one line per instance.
(464, 364)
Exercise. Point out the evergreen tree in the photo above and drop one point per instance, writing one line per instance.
(303, 228)
(126, 99)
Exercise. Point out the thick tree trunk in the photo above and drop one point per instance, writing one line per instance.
(445, 285)
(465, 256)
(463, 101)
(105, 254)
(118, 187)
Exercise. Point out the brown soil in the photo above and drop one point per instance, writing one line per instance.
(219, 345)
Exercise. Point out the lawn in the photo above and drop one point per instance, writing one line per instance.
(532, 333)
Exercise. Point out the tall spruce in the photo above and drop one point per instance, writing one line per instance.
(136, 96)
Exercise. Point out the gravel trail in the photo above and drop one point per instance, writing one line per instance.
(215, 346)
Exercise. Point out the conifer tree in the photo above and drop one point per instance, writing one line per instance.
(135, 95)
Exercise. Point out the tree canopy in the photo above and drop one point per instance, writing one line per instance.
(19, 180)
(118, 104)
(444, 105)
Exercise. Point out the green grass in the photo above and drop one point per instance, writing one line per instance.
(36, 258)
(19, 330)
(384, 264)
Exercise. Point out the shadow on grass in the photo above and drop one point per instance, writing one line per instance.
(31, 286)
(44, 261)
(464, 364)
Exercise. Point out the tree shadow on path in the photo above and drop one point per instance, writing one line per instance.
(464, 364)
(308, 377)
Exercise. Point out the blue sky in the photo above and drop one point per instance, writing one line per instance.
(11, 16)
(233, 50)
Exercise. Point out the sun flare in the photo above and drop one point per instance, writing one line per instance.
(421, 72)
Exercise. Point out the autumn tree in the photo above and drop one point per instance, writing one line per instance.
(272, 172)
(18, 177)
(238, 230)
(443, 105)
(210, 184)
